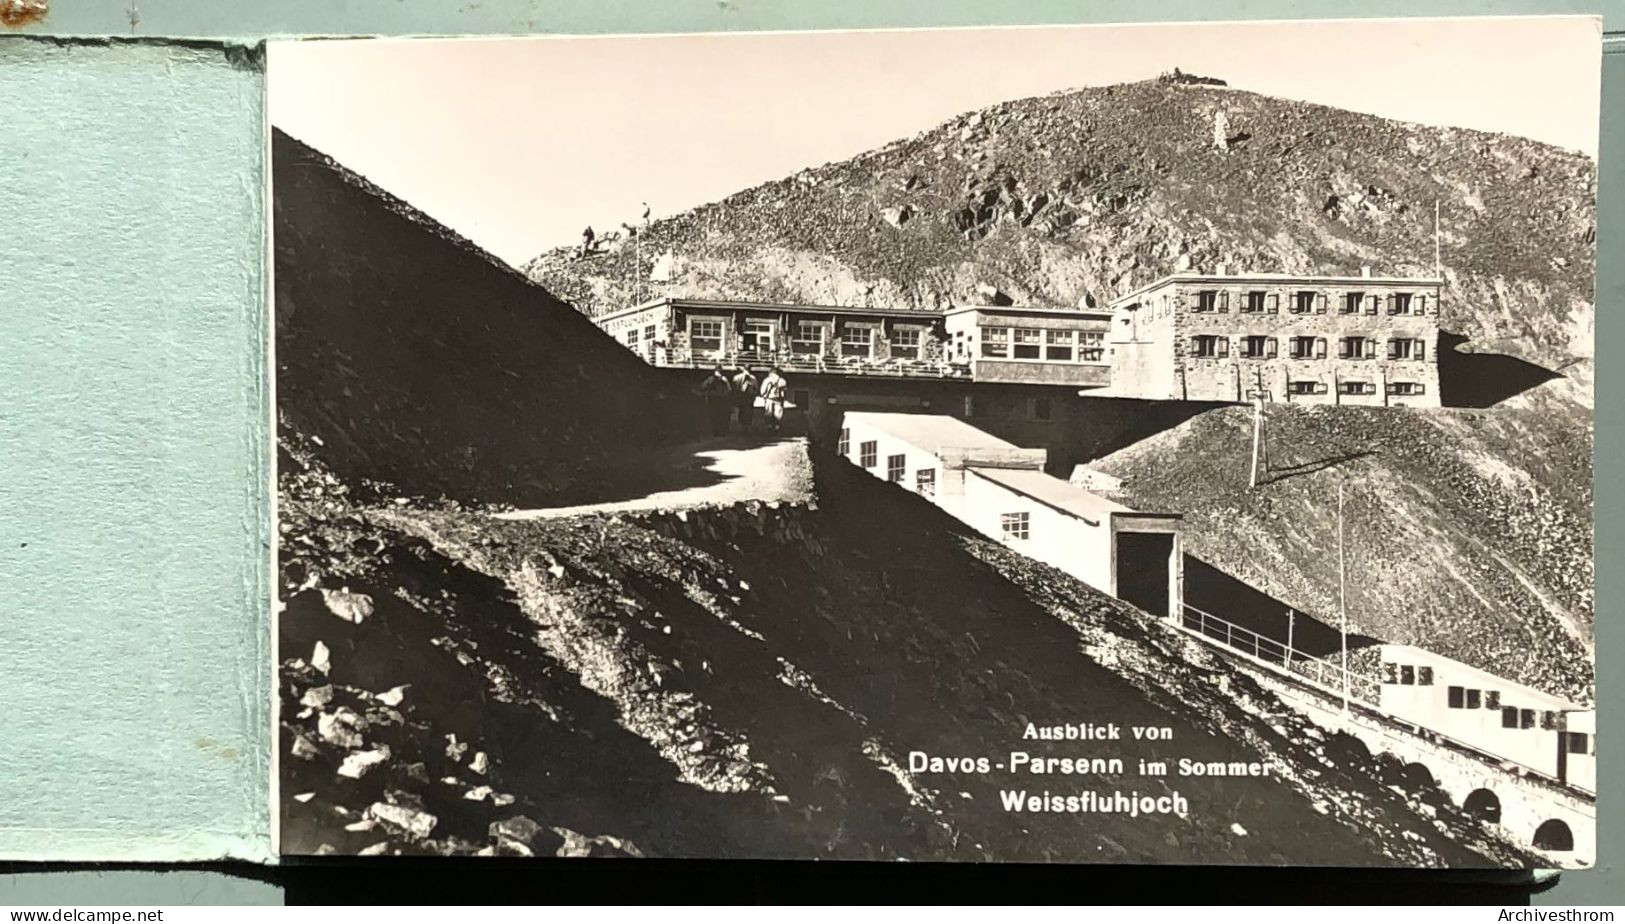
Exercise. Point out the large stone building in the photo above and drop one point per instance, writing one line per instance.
(1360, 340)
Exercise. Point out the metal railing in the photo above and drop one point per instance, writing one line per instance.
(1245, 641)
(805, 363)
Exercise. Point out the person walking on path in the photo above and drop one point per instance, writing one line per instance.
(774, 390)
(745, 392)
(718, 396)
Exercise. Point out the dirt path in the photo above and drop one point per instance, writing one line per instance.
(735, 469)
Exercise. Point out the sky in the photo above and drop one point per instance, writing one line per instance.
(520, 143)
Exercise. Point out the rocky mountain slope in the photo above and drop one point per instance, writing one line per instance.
(1072, 198)
(749, 682)
(1467, 532)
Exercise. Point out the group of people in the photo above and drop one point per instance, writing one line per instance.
(738, 397)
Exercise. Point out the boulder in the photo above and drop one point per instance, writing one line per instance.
(356, 765)
(350, 607)
(414, 823)
(317, 697)
(341, 727)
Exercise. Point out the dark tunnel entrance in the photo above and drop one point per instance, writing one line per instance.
(1554, 835)
(1483, 805)
(1143, 564)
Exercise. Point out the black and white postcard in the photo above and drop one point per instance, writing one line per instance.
(1119, 444)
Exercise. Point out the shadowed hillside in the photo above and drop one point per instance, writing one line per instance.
(750, 681)
(1075, 197)
(1467, 532)
(418, 360)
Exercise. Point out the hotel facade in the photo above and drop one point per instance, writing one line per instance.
(1355, 340)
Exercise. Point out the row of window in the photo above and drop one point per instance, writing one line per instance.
(1354, 387)
(925, 479)
(1256, 346)
(705, 335)
(1469, 698)
(1063, 346)
(633, 338)
(1309, 302)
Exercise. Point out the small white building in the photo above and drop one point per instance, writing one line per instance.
(1002, 491)
(1545, 733)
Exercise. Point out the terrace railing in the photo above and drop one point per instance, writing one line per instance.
(806, 363)
(1245, 641)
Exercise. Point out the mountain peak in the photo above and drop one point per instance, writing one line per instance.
(1090, 192)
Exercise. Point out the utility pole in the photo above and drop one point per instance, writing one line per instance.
(1291, 619)
(1258, 424)
(1342, 599)
(1438, 263)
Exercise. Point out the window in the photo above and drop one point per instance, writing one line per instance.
(809, 338)
(1407, 675)
(1210, 346)
(1399, 303)
(857, 341)
(649, 334)
(1207, 300)
(925, 482)
(1404, 348)
(758, 336)
(632, 337)
(705, 336)
(895, 466)
(1526, 718)
(1356, 388)
(1058, 345)
(1548, 720)
(868, 451)
(1253, 303)
(1492, 699)
(996, 342)
(1454, 697)
(1258, 347)
(1424, 676)
(1390, 672)
(843, 446)
(1027, 341)
(1405, 388)
(1303, 302)
(1091, 346)
(905, 344)
(1304, 387)
(1015, 525)
(1041, 409)
(1356, 348)
(1475, 699)
(1307, 347)
(1509, 717)
(1576, 743)
(1351, 302)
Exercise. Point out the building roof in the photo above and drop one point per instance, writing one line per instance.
(735, 305)
(1031, 311)
(1052, 491)
(1278, 278)
(923, 314)
(929, 432)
